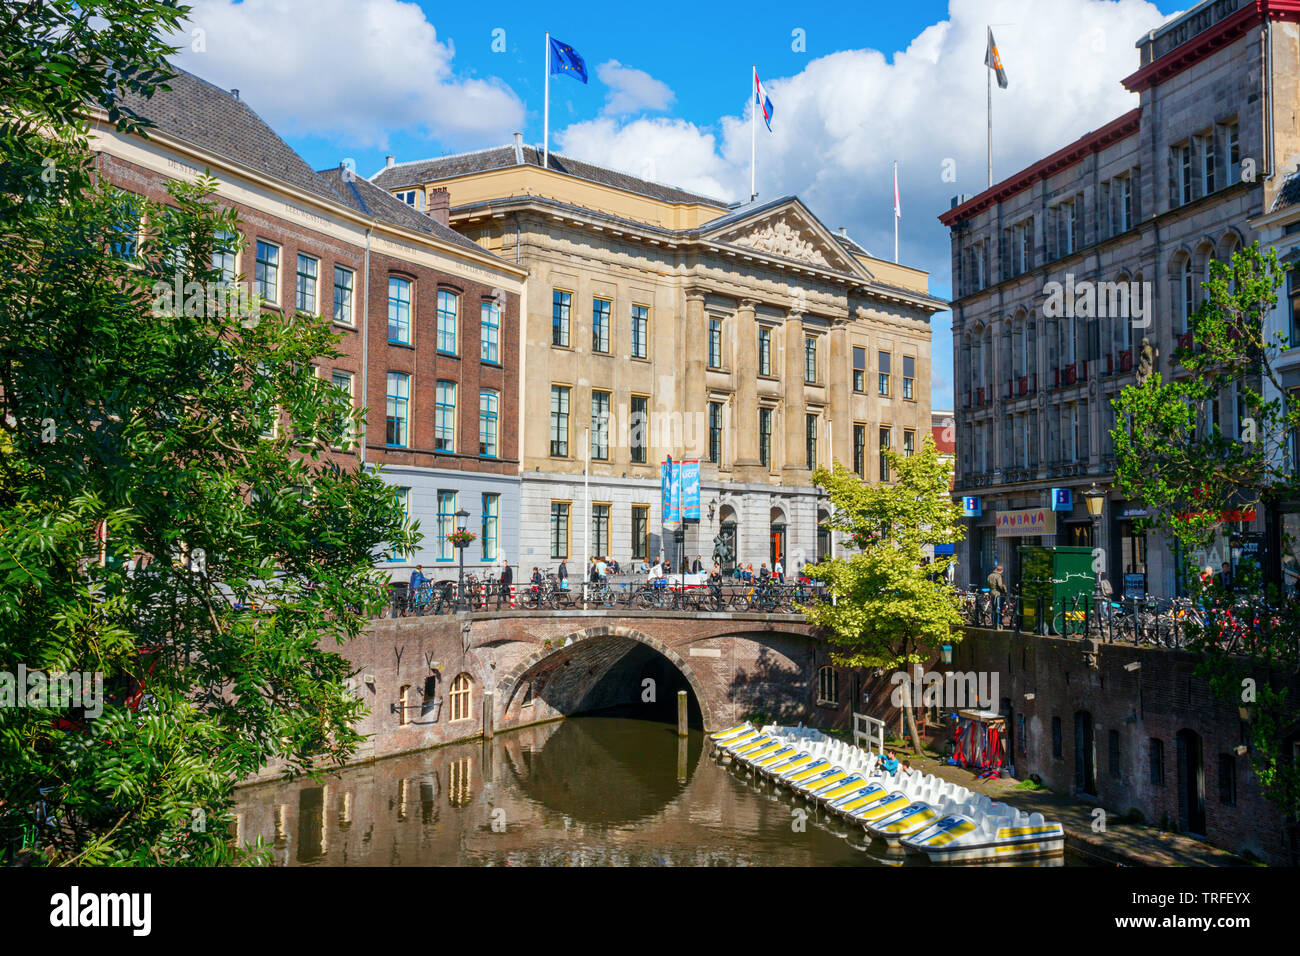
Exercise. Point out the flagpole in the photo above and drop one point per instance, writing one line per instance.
(989, 70)
(753, 131)
(546, 110)
(895, 211)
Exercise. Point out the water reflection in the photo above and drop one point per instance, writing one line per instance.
(581, 792)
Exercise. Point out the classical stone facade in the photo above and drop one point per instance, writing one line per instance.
(660, 322)
(1063, 270)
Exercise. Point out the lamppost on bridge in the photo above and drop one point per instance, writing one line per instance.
(462, 519)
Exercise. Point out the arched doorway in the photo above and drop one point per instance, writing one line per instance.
(823, 535)
(777, 536)
(727, 530)
(1191, 782)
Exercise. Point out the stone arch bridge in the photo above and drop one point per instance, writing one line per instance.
(438, 679)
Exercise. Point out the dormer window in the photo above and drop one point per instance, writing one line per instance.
(412, 197)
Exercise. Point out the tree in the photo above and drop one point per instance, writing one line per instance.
(1196, 471)
(168, 463)
(890, 610)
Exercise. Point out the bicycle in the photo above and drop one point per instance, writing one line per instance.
(1072, 620)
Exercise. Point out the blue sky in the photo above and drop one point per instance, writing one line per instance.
(854, 88)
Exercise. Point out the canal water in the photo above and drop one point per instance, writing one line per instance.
(586, 791)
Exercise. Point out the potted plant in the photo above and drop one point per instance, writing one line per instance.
(461, 539)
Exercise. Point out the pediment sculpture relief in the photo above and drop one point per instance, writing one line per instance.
(782, 239)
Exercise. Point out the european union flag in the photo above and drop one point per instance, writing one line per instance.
(565, 59)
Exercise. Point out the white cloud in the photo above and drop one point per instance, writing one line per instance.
(353, 71)
(631, 90)
(842, 121)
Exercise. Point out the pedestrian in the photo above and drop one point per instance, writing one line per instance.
(507, 578)
(997, 591)
(778, 570)
(563, 575)
(698, 566)
(763, 573)
(602, 570)
(715, 583)
(1225, 577)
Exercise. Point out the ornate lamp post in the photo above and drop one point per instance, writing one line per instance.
(1096, 501)
(462, 518)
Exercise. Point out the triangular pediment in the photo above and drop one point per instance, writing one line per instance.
(787, 230)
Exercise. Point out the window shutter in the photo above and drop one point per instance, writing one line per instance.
(1085, 424)
(1173, 178)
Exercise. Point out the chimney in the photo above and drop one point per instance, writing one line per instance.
(235, 93)
(844, 231)
(439, 206)
(388, 162)
(519, 149)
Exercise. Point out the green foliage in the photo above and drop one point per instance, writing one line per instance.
(1173, 457)
(151, 423)
(889, 612)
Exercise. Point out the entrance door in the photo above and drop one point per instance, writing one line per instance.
(1085, 761)
(778, 544)
(727, 532)
(1191, 783)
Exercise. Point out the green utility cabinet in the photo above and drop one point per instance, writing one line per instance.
(1056, 575)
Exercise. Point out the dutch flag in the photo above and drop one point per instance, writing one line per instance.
(761, 101)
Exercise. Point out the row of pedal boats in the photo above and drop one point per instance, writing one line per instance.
(908, 811)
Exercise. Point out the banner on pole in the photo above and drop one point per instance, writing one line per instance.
(689, 480)
(671, 489)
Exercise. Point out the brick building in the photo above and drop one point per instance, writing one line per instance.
(438, 364)
(1063, 270)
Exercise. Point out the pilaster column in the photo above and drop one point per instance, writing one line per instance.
(793, 458)
(690, 390)
(744, 418)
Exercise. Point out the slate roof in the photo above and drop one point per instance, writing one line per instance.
(368, 199)
(207, 116)
(1289, 194)
(502, 157)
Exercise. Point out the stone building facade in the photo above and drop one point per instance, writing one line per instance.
(331, 243)
(1063, 270)
(661, 322)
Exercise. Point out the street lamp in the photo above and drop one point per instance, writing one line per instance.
(1096, 501)
(462, 519)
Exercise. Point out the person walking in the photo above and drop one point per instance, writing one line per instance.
(778, 570)
(507, 578)
(563, 575)
(698, 566)
(418, 581)
(997, 591)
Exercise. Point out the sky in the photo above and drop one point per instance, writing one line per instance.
(855, 87)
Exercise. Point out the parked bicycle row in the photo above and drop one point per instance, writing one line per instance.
(554, 593)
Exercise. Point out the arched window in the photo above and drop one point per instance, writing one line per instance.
(828, 686)
(1185, 293)
(461, 689)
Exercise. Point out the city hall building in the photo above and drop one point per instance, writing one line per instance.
(428, 321)
(662, 322)
(1062, 270)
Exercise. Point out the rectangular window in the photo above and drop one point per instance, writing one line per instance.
(640, 531)
(810, 358)
(1205, 146)
(764, 351)
(1057, 752)
(399, 397)
(638, 425)
(715, 432)
(640, 331)
(883, 374)
(266, 271)
(559, 421)
(859, 369)
(600, 325)
(403, 496)
(909, 376)
(444, 429)
(308, 268)
(560, 529)
(490, 333)
(491, 536)
(448, 309)
(600, 530)
(1294, 279)
(600, 426)
(343, 381)
(1227, 780)
(225, 247)
(1183, 157)
(1112, 746)
(344, 281)
(1233, 143)
(447, 509)
(399, 310)
(488, 414)
(860, 451)
(810, 440)
(1156, 757)
(560, 305)
(715, 343)
(884, 447)
(412, 197)
(765, 436)
(909, 444)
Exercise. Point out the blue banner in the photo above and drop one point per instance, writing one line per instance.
(689, 479)
(671, 488)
